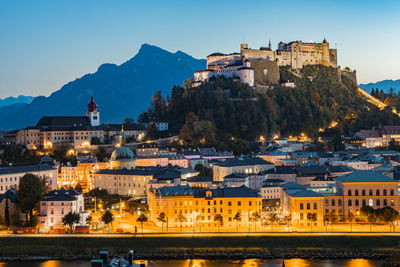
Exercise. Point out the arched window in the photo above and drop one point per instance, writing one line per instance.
(378, 202)
(378, 192)
(339, 202)
(333, 202)
(349, 202)
(315, 206)
(370, 202)
(391, 192)
(364, 203)
(326, 202)
(356, 192)
(308, 206)
(370, 192)
(357, 202)
(349, 192)
(301, 206)
(363, 192)
(384, 192)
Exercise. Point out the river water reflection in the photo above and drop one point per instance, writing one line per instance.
(215, 263)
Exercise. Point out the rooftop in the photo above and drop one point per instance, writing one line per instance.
(302, 193)
(26, 169)
(366, 176)
(61, 195)
(237, 192)
(246, 161)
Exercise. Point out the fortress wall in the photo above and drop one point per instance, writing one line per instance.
(254, 53)
(352, 75)
(222, 59)
(265, 72)
(333, 57)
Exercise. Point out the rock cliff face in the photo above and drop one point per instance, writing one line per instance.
(120, 91)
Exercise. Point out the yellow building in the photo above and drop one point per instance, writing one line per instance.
(85, 173)
(67, 176)
(198, 207)
(353, 191)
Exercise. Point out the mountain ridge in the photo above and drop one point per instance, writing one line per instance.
(119, 90)
(14, 100)
(385, 85)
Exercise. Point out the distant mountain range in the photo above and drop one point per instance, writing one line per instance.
(119, 91)
(14, 100)
(385, 85)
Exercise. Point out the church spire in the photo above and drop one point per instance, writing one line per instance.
(269, 44)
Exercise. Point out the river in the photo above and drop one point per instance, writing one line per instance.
(215, 263)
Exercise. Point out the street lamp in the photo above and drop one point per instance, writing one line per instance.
(95, 204)
(194, 222)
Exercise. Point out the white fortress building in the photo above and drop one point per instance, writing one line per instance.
(261, 66)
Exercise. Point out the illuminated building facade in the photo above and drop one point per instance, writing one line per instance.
(197, 207)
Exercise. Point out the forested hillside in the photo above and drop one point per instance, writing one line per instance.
(224, 111)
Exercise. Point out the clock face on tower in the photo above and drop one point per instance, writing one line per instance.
(95, 112)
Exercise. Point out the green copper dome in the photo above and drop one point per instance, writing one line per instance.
(122, 153)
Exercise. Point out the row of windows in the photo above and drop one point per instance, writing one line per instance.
(308, 206)
(8, 187)
(370, 193)
(10, 179)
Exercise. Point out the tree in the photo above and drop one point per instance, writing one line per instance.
(89, 219)
(101, 153)
(152, 132)
(7, 214)
(129, 121)
(389, 215)
(142, 219)
(78, 188)
(272, 218)
(311, 217)
(287, 219)
(219, 219)
(107, 218)
(237, 218)
(29, 195)
(255, 217)
(370, 214)
(95, 141)
(350, 218)
(70, 219)
(203, 171)
(180, 218)
(331, 218)
(162, 218)
(16, 219)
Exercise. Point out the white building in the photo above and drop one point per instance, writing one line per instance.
(56, 204)
(10, 176)
(255, 181)
(271, 192)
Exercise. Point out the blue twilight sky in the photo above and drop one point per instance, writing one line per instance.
(47, 43)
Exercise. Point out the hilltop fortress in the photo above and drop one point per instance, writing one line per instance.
(261, 66)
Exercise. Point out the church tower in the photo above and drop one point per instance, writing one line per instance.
(93, 113)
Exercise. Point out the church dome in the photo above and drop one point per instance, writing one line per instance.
(92, 106)
(122, 153)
